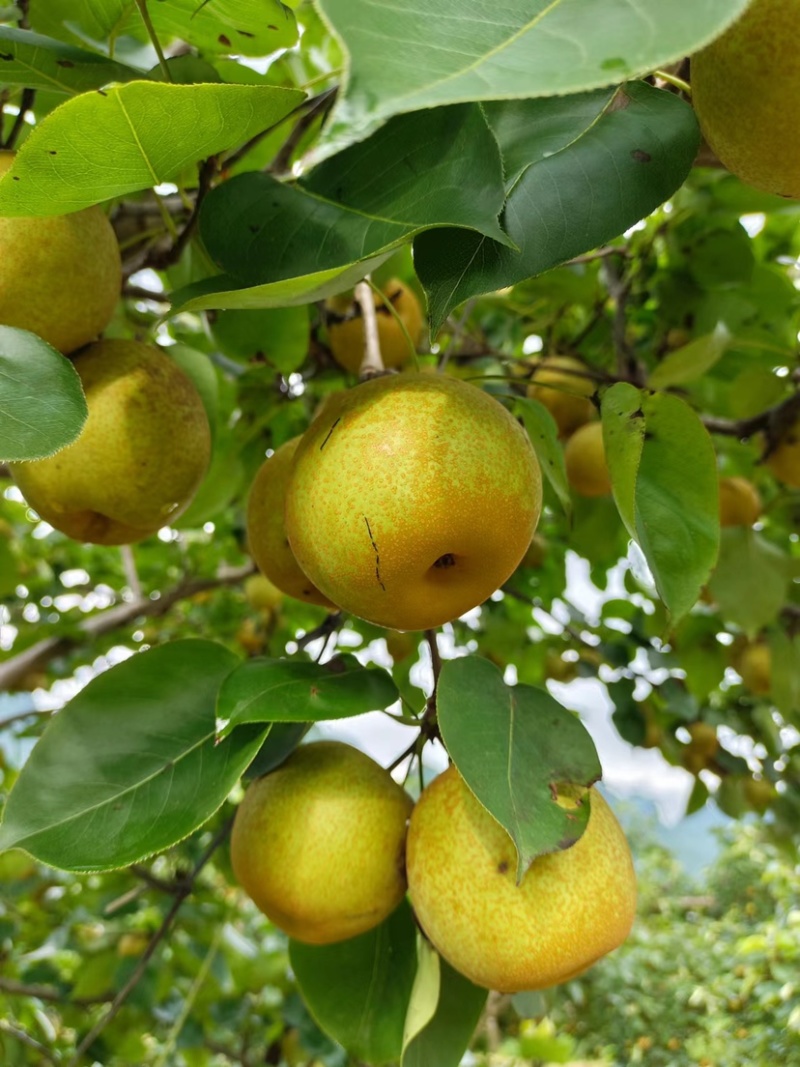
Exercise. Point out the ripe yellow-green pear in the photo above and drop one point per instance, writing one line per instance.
(319, 843)
(739, 502)
(346, 327)
(141, 454)
(261, 594)
(571, 908)
(585, 458)
(743, 85)
(266, 529)
(559, 382)
(60, 276)
(784, 461)
(412, 500)
(755, 667)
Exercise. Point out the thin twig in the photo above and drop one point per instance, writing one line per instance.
(176, 249)
(151, 33)
(372, 363)
(25, 1038)
(104, 622)
(774, 422)
(47, 993)
(436, 659)
(326, 627)
(25, 104)
(312, 109)
(619, 291)
(131, 573)
(153, 944)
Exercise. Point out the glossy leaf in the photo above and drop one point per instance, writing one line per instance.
(42, 406)
(512, 745)
(131, 765)
(358, 990)
(446, 1037)
(39, 62)
(664, 477)
(286, 690)
(156, 130)
(750, 580)
(691, 362)
(401, 60)
(611, 171)
(543, 432)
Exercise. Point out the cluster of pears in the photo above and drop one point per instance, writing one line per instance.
(327, 845)
(146, 443)
(409, 500)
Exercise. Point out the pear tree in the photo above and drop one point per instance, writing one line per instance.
(363, 364)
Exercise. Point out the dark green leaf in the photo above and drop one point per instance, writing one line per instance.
(278, 335)
(281, 741)
(512, 745)
(543, 433)
(358, 990)
(131, 765)
(157, 130)
(611, 172)
(445, 1038)
(41, 63)
(42, 406)
(286, 690)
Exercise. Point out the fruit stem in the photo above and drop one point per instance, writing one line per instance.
(673, 79)
(372, 363)
(393, 312)
(151, 33)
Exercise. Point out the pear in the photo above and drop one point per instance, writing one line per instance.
(784, 460)
(60, 276)
(739, 502)
(585, 458)
(261, 594)
(571, 907)
(412, 500)
(318, 844)
(346, 327)
(755, 667)
(266, 529)
(742, 87)
(560, 384)
(140, 457)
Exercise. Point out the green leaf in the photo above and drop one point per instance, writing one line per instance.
(131, 765)
(281, 741)
(41, 63)
(278, 335)
(664, 477)
(751, 579)
(512, 745)
(424, 992)
(42, 406)
(612, 171)
(287, 690)
(785, 663)
(358, 990)
(446, 1037)
(156, 130)
(543, 432)
(459, 50)
(691, 362)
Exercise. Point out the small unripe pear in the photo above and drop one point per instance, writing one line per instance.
(755, 667)
(261, 594)
(561, 385)
(319, 843)
(739, 502)
(585, 458)
(784, 460)
(346, 327)
(60, 275)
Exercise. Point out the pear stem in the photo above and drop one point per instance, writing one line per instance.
(372, 363)
(393, 312)
(673, 79)
(162, 59)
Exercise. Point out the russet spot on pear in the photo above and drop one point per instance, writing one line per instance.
(412, 499)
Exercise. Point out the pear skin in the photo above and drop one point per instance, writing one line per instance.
(784, 460)
(739, 502)
(585, 459)
(559, 382)
(60, 276)
(140, 457)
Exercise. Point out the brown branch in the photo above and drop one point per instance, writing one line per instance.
(619, 290)
(25, 104)
(172, 254)
(25, 1038)
(774, 422)
(325, 629)
(436, 659)
(48, 993)
(312, 109)
(38, 655)
(138, 972)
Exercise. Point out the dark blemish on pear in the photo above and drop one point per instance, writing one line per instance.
(374, 547)
(327, 438)
(447, 560)
(641, 156)
(502, 867)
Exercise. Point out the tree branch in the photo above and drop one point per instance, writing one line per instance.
(25, 104)
(312, 109)
(40, 654)
(25, 1038)
(619, 291)
(773, 422)
(47, 993)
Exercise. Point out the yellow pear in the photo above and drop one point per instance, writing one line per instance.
(759, 793)
(266, 529)
(560, 384)
(318, 844)
(60, 276)
(571, 908)
(413, 500)
(742, 87)
(585, 458)
(784, 460)
(755, 667)
(739, 502)
(346, 327)
(140, 457)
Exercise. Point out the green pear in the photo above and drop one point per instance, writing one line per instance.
(60, 276)
(140, 457)
(571, 907)
(743, 86)
(319, 843)
(412, 499)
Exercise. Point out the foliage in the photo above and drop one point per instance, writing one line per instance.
(255, 159)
